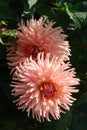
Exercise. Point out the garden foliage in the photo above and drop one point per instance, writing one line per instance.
(71, 15)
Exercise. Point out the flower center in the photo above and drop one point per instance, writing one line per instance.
(48, 89)
(32, 50)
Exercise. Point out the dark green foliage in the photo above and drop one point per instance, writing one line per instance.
(71, 15)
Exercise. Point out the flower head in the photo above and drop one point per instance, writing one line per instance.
(44, 87)
(38, 36)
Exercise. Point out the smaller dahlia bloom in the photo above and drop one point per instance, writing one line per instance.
(38, 36)
(44, 87)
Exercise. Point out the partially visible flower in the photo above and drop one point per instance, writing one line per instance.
(44, 87)
(38, 36)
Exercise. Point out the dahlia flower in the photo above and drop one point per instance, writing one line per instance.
(38, 36)
(44, 87)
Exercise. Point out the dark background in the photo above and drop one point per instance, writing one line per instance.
(71, 15)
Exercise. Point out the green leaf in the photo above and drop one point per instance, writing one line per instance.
(75, 20)
(32, 2)
(2, 23)
(53, 13)
(83, 6)
(1, 41)
(8, 36)
(72, 16)
(9, 33)
(82, 16)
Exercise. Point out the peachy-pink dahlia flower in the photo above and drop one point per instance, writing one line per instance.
(44, 87)
(38, 36)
